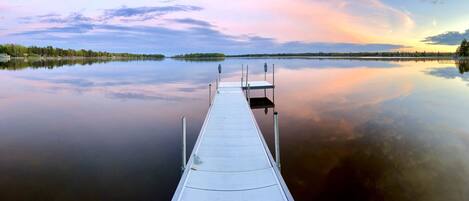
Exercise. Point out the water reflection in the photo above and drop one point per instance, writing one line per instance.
(350, 130)
(372, 134)
(389, 158)
(18, 64)
(261, 103)
(463, 66)
(215, 59)
(293, 62)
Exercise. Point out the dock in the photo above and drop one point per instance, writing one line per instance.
(252, 85)
(230, 160)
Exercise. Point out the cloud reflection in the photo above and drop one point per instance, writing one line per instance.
(461, 72)
(369, 134)
(124, 89)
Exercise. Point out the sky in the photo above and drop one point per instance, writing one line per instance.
(236, 27)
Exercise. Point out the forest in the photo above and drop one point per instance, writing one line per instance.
(463, 49)
(200, 55)
(352, 54)
(33, 51)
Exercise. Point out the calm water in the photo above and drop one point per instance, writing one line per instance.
(350, 129)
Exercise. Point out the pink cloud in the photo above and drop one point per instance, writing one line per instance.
(311, 20)
(2, 6)
(304, 21)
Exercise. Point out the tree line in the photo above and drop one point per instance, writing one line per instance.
(200, 55)
(463, 49)
(49, 51)
(352, 54)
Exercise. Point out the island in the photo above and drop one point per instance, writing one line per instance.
(200, 57)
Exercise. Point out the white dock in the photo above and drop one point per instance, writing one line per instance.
(252, 84)
(230, 160)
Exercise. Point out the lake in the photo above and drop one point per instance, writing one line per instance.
(349, 129)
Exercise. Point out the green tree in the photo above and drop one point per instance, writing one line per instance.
(49, 51)
(463, 49)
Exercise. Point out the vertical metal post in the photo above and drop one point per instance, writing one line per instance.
(247, 74)
(265, 78)
(249, 95)
(273, 95)
(219, 72)
(183, 167)
(242, 70)
(273, 74)
(273, 83)
(277, 140)
(209, 94)
(242, 75)
(216, 87)
(247, 77)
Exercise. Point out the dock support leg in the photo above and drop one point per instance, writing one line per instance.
(247, 78)
(265, 78)
(242, 75)
(249, 94)
(209, 95)
(277, 140)
(219, 72)
(273, 95)
(184, 159)
(273, 74)
(247, 74)
(273, 83)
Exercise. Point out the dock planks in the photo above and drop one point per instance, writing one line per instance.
(230, 160)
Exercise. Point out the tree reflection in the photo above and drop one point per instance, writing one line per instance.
(214, 59)
(20, 64)
(463, 66)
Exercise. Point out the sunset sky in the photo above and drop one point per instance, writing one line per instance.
(235, 27)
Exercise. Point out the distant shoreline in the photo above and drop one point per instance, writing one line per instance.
(320, 55)
(248, 57)
(18, 63)
(345, 57)
(319, 58)
(221, 57)
(20, 51)
(70, 58)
